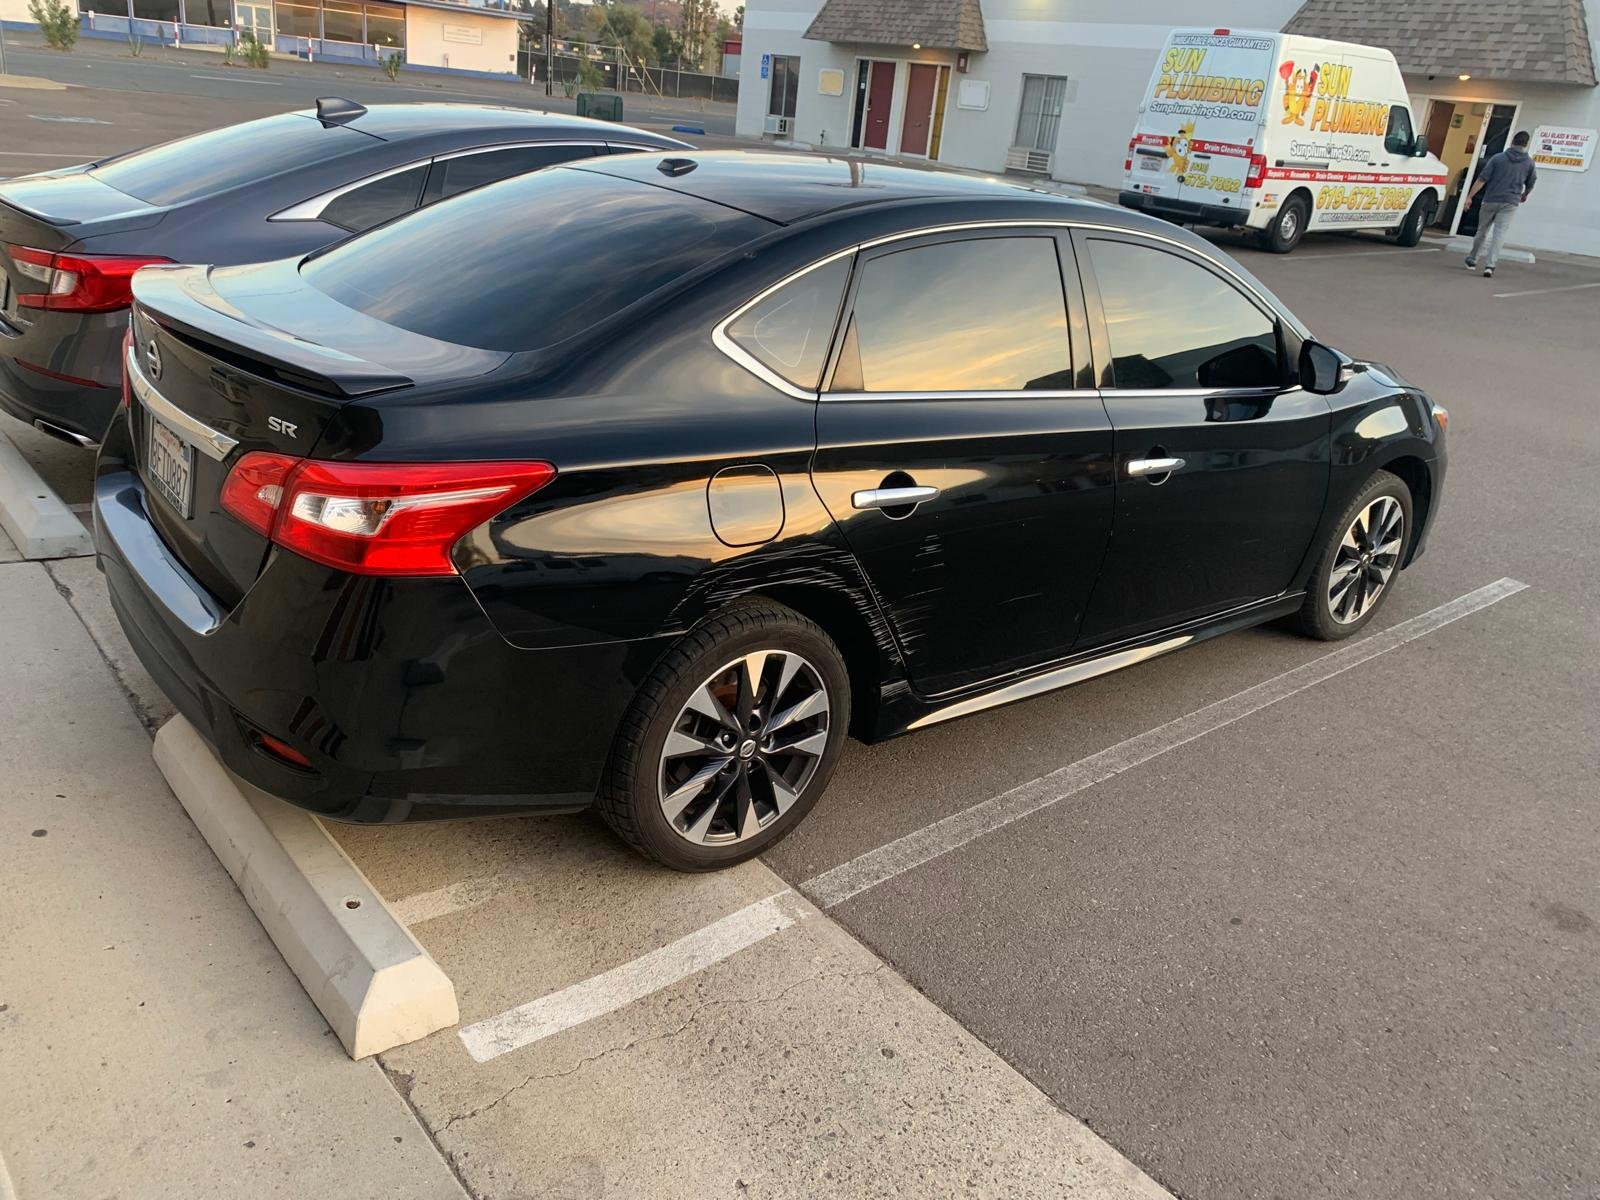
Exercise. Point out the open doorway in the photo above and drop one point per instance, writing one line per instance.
(1465, 134)
(873, 103)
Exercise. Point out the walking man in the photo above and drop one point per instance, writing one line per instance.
(1505, 182)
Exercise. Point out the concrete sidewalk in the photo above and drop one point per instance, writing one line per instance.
(152, 1042)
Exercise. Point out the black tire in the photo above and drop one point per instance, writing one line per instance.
(1288, 227)
(1417, 220)
(1316, 618)
(630, 796)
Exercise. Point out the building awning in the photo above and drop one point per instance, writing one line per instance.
(1527, 41)
(939, 24)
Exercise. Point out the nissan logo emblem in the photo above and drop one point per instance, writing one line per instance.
(152, 358)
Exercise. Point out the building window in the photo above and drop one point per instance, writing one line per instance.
(299, 20)
(216, 13)
(386, 25)
(1039, 122)
(784, 86)
(156, 10)
(105, 8)
(341, 21)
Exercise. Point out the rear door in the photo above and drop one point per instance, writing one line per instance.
(1202, 117)
(1222, 462)
(965, 460)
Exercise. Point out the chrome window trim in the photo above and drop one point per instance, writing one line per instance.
(977, 394)
(724, 343)
(312, 209)
(210, 442)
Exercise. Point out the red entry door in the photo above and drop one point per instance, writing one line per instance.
(880, 99)
(919, 109)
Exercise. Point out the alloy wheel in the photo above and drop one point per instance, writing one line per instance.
(1366, 558)
(744, 747)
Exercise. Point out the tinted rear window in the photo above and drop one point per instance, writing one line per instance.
(206, 163)
(528, 262)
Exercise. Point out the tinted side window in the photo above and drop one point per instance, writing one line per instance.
(981, 315)
(569, 248)
(211, 162)
(452, 176)
(1398, 139)
(374, 203)
(789, 331)
(1174, 324)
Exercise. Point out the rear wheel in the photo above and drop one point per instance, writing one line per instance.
(1289, 226)
(1353, 576)
(730, 741)
(1418, 219)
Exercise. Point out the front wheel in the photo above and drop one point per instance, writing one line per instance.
(1353, 575)
(1418, 219)
(730, 741)
(1289, 226)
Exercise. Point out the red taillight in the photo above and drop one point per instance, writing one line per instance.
(1257, 174)
(127, 348)
(85, 283)
(374, 518)
(282, 750)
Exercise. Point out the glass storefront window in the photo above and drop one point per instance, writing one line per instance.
(386, 25)
(156, 10)
(106, 8)
(299, 20)
(341, 21)
(216, 13)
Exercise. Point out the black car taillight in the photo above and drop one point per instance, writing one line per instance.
(83, 283)
(374, 518)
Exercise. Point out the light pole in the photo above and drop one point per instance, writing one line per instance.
(549, 47)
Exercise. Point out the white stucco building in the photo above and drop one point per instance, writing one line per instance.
(1052, 86)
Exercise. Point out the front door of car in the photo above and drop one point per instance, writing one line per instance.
(966, 463)
(1222, 460)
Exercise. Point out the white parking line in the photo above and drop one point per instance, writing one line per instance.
(632, 981)
(661, 968)
(1576, 287)
(1365, 253)
(231, 79)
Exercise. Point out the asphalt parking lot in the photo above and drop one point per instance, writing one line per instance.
(1270, 923)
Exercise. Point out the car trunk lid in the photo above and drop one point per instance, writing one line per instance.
(226, 361)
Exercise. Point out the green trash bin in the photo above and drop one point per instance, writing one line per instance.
(601, 108)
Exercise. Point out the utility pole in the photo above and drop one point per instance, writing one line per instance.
(549, 47)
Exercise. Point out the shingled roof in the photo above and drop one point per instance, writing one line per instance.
(945, 24)
(1542, 41)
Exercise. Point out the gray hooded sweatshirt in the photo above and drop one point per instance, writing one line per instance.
(1506, 176)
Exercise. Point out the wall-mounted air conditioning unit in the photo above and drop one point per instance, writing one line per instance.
(1023, 158)
(778, 125)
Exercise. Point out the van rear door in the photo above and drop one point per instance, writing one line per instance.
(1202, 117)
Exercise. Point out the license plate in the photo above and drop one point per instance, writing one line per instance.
(171, 467)
(1150, 164)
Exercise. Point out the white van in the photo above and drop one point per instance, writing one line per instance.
(1280, 134)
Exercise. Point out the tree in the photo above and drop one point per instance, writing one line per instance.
(58, 22)
(666, 45)
(698, 16)
(738, 18)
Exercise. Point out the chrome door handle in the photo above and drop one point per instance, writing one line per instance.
(1138, 468)
(892, 497)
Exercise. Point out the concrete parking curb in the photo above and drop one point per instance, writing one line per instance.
(33, 515)
(1463, 245)
(371, 980)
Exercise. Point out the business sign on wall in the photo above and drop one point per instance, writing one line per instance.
(1559, 148)
(463, 33)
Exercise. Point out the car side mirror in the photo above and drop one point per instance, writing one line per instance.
(1321, 368)
(1419, 147)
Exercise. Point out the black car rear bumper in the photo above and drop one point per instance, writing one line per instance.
(1183, 210)
(407, 701)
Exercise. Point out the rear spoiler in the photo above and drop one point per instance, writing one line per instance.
(182, 301)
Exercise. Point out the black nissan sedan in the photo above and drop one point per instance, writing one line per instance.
(640, 483)
(71, 239)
